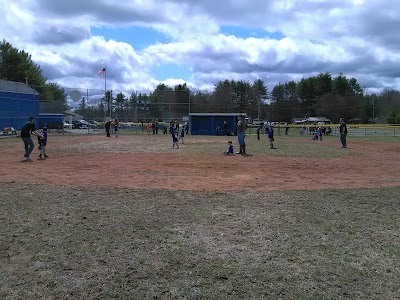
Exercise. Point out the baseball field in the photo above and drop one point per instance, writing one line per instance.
(130, 217)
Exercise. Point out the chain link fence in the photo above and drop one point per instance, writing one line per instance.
(129, 106)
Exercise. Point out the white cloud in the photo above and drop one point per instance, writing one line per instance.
(358, 38)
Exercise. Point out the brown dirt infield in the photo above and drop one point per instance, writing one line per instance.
(149, 162)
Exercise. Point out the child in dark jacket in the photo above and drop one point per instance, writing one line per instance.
(175, 137)
(42, 144)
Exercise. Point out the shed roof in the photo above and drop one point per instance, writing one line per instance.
(299, 120)
(317, 119)
(16, 87)
(217, 114)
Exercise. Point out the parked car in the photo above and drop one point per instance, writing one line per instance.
(94, 124)
(9, 130)
(258, 122)
(81, 124)
(68, 126)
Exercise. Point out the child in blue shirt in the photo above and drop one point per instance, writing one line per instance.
(271, 139)
(182, 134)
(230, 150)
(42, 144)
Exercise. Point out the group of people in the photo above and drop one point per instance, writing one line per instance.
(176, 136)
(112, 124)
(241, 134)
(242, 126)
(29, 129)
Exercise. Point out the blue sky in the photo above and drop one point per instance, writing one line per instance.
(243, 32)
(140, 38)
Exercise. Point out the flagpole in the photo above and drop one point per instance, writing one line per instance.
(105, 85)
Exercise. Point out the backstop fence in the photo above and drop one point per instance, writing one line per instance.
(129, 106)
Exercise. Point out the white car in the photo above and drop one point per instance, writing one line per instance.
(258, 122)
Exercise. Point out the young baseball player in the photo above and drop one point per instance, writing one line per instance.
(175, 138)
(182, 134)
(42, 144)
(230, 150)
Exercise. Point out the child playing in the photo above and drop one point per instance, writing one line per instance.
(175, 137)
(148, 127)
(230, 150)
(182, 134)
(258, 132)
(116, 127)
(271, 139)
(315, 135)
(42, 144)
(320, 132)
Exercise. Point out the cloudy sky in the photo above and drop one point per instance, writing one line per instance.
(146, 42)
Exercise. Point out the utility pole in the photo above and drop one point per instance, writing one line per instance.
(373, 110)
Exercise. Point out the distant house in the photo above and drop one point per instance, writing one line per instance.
(317, 120)
(70, 116)
(299, 121)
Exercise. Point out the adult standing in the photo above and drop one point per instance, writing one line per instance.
(343, 132)
(241, 133)
(26, 131)
(108, 127)
(225, 128)
(258, 131)
(153, 126)
(156, 125)
(186, 128)
(287, 127)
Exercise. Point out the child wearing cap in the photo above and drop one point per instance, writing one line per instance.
(42, 144)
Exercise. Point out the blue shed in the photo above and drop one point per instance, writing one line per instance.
(18, 102)
(51, 121)
(212, 123)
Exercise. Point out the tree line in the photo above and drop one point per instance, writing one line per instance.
(18, 66)
(321, 95)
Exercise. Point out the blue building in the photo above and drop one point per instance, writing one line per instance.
(18, 102)
(212, 123)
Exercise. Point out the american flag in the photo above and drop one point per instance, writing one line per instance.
(101, 71)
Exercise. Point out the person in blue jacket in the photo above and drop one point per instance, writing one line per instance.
(271, 139)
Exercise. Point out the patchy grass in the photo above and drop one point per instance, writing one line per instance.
(289, 146)
(77, 243)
